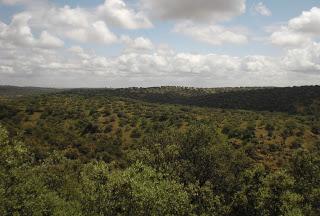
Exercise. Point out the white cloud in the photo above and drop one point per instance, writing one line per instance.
(262, 65)
(26, 3)
(14, 2)
(47, 40)
(97, 32)
(304, 60)
(158, 66)
(299, 31)
(28, 53)
(212, 34)
(88, 26)
(78, 24)
(78, 51)
(287, 37)
(65, 17)
(139, 44)
(262, 9)
(6, 69)
(73, 23)
(307, 22)
(200, 10)
(19, 33)
(117, 13)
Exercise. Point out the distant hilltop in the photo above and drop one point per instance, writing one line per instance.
(303, 99)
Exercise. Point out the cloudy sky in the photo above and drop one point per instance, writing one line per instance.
(121, 43)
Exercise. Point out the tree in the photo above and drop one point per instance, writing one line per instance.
(277, 197)
(245, 200)
(137, 190)
(305, 168)
(23, 190)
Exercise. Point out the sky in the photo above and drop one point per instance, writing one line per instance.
(142, 43)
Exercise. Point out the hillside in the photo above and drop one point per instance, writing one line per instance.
(14, 91)
(294, 100)
(304, 100)
(169, 150)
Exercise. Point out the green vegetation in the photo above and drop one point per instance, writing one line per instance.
(13, 91)
(303, 100)
(159, 151)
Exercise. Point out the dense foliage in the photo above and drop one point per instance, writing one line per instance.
(90, 152)
(305, 99)
(13, 91)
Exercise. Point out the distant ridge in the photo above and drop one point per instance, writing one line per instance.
(16, 91)
(302, 100)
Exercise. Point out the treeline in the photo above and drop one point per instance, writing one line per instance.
(14, 91)
(303, 100)
(293, 100)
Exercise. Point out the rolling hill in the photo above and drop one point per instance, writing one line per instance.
(170, 150)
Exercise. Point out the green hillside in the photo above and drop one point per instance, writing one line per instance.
(303, 100)
(161, 151)
(14, 91)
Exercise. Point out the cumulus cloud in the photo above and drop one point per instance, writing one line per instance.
(29, 53)
(288, 38)
(305, 60)
(76, 24)
(262, 9)
(79, 51)
(84, 25)
(141, 63)
(307, 22)
(200, 10)
(117, 13)
(300, 30)
(47, 40)
(139, 44)
(14, 2)
(19, 33)
(263, 65)
(97, 32)
(65, 17)
(6, 69)
(194, 17)
(212, 34)
(159, 65)
(35, 4)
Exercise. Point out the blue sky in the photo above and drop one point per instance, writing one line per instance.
(157, 42)
(282, 11)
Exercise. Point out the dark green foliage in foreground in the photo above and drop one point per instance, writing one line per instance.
(81, 153)
(164, 181)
